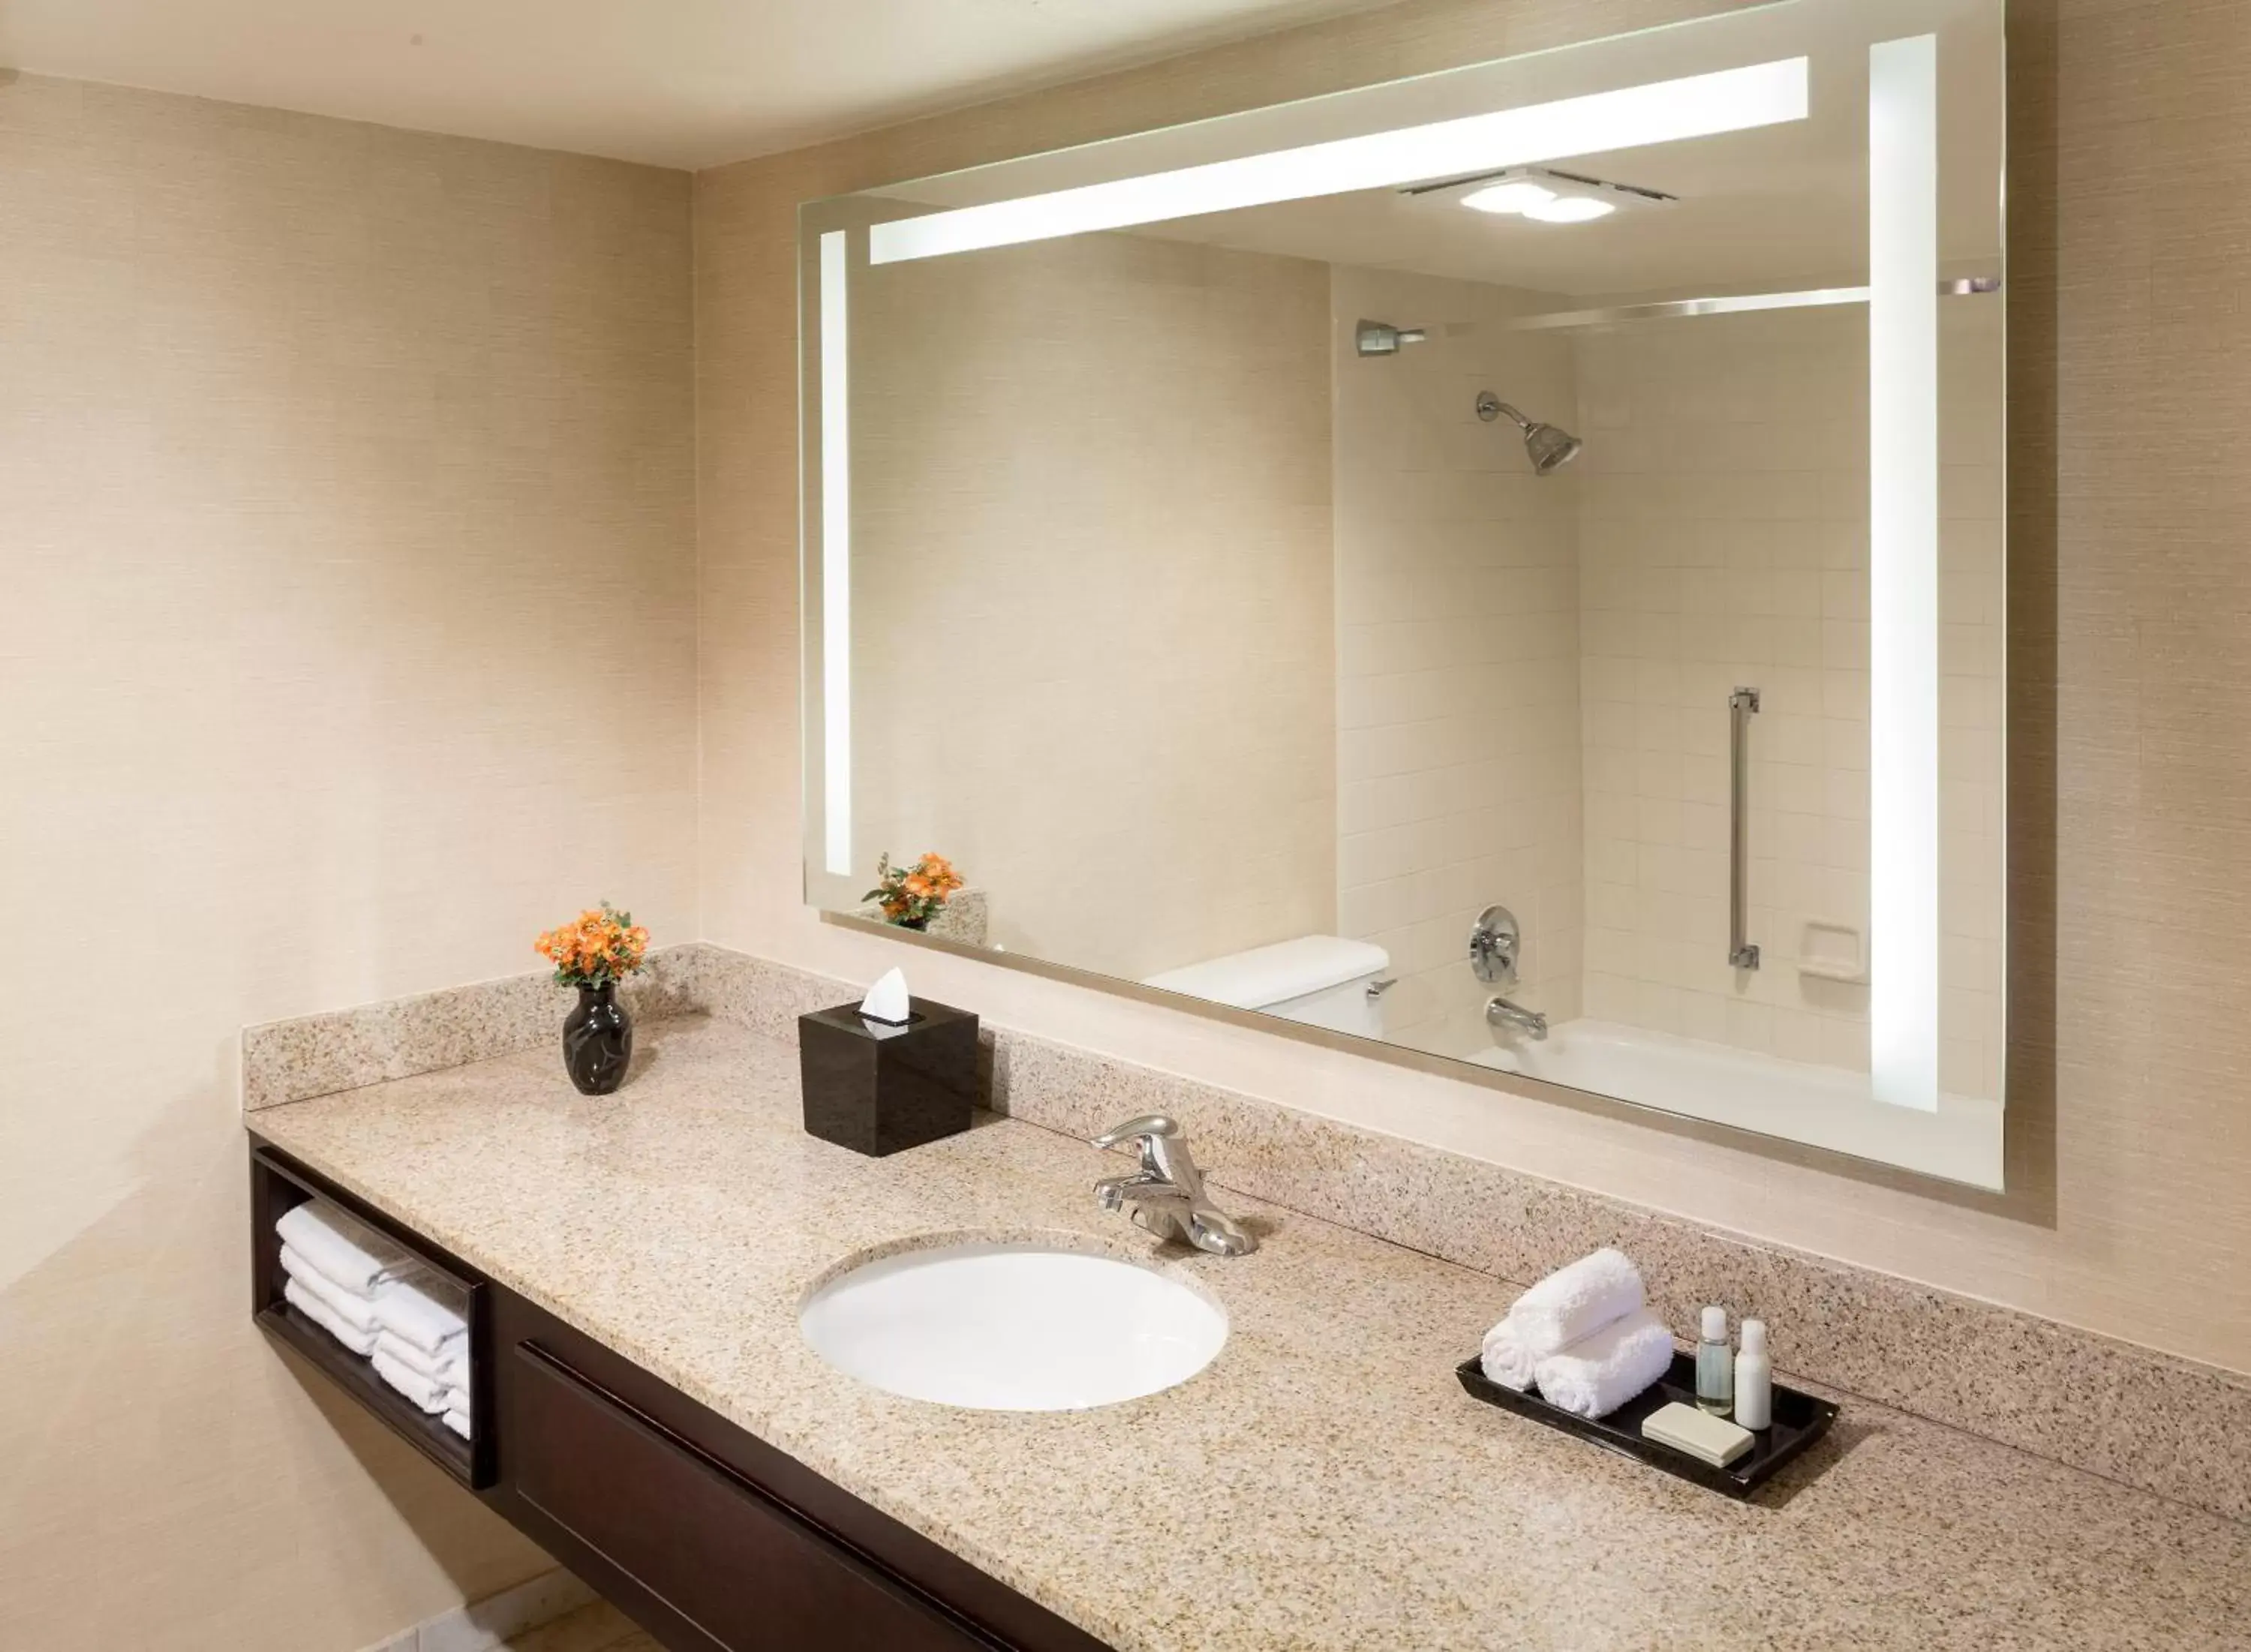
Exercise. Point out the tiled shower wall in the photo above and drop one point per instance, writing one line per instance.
(1458, 689)
(1724, 543)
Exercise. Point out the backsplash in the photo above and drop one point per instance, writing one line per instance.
(310, 1056)
(2049, 1389)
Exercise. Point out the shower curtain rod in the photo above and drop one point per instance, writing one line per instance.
(1964, 287)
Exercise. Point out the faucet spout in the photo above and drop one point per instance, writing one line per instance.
(1111, 1192)
(1501, 1013)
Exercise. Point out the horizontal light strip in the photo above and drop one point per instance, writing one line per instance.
(1734, 304)
(1695, 106)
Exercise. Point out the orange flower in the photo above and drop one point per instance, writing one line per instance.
(912, 894)
(600, 946)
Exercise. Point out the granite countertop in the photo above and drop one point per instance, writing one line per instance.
(1324, 1483)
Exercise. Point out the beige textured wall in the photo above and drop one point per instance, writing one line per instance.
(1458, 649)
(1091, 566)
(347, 538)
(2129, 189)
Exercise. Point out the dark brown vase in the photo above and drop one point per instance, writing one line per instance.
(598, 1040)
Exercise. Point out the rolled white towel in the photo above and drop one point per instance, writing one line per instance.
(1505, 1359)
(1576, 1300)
(450, 1368)
(358, 1312)
(423, 1309)
(457, 1419)
(1596, 1375)
(353, 1257)
(433, 1396)
(359, 1342)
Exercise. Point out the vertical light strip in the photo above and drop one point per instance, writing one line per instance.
(1903, 570)
(835, 560)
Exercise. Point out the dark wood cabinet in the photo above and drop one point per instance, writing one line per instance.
(731, 1562)
(708, 1537)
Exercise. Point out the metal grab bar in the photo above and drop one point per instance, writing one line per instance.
(1743, 705)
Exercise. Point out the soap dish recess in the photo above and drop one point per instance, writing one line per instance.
(1799, 1419)
(1832, 951)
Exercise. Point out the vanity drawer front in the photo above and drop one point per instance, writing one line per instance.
(729, 1560)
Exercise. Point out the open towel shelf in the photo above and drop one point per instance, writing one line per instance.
(277, 1183)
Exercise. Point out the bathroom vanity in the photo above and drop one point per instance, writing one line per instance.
(651, 1412)
(706, 1534)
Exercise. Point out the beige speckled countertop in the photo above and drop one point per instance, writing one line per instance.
(1324, 1483)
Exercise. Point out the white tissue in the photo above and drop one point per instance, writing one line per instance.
(887, 1000)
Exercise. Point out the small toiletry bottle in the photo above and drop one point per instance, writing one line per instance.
(1715, 1365)
(1754, 1379)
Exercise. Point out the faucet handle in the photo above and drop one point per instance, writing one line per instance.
(1149, 1129)
(1164, 1149)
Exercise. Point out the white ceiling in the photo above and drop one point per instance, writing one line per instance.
(683, 83)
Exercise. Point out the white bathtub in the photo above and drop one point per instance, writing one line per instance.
(1821, 1106)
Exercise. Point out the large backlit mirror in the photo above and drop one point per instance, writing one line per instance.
(1505, 564)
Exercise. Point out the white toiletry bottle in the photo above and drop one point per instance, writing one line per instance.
(1715, 1365)
(1754, 1379)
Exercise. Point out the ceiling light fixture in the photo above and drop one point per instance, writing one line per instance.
(1513, 198)
(1544, 193)
(1570, 209)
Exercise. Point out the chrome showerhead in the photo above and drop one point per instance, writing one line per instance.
(1549, 446)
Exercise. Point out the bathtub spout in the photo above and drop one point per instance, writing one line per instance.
(1501, 1013)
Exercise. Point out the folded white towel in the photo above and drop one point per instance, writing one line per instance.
(1596, 1375)
(424, 1310)
(1576, 1301)
(450, 1368)
(358, 1312)
(458, 1420)
(359, 1342)
(433, 1396)
(353, 1257)
(1506, 1358)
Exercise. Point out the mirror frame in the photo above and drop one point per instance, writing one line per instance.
(1961, 1147)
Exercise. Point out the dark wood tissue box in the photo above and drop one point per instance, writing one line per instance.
(877, 1088)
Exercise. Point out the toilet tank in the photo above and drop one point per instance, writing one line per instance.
(1321, 980)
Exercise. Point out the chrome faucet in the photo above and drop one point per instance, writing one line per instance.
(1165, 1195)
(1498, 1011)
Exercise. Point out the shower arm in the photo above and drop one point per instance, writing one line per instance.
(1490, 406)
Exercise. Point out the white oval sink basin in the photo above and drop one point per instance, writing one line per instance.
(1013, 1326)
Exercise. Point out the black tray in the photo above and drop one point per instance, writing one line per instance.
(1799, 1419)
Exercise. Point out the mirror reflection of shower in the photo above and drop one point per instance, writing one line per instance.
(1549, 446)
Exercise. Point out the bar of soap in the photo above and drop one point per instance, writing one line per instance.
(1707, 1438)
